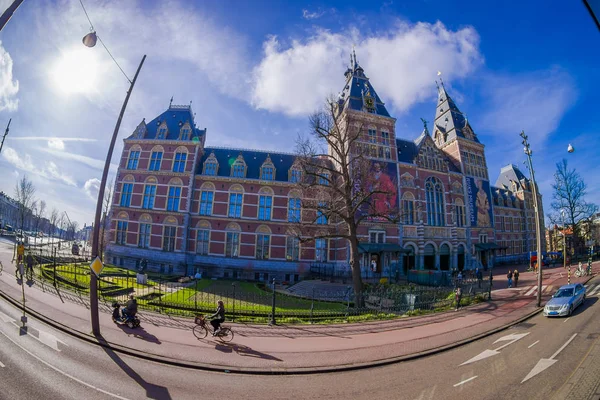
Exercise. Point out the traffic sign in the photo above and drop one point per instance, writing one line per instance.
(96, 266)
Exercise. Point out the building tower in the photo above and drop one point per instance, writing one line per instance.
(455, 136)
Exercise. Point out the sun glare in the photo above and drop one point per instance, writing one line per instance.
(75, 71)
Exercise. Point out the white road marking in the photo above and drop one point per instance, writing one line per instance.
(546, 362)
(489, 353)
(530, 292)
(2, 365)
(563, 346)
(465, 381)
(5, 318)
(45, 338)
(533, 344)
(566, 320)
(595, 291)
(63, 372)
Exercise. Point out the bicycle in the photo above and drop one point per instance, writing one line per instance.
(202, 329)
(580, 271)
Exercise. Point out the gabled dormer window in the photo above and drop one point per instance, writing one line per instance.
(267, 171)
(140, 131)
(211, 165)
(185, 132)
(295, 175)
(324, 179)
(238, 169)
(162, 131)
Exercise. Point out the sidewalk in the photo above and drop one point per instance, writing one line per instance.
(290, 348)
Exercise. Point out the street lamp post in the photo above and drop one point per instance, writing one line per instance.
(95, 237)
(538, 233)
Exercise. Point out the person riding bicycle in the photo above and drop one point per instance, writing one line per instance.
(130, 308)
(218, 318)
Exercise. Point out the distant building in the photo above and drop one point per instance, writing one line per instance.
(187, 207)
(8, 211)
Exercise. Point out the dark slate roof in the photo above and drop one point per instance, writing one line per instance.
(254, 160)
(175, 117)
(448, 118)
(511, 173)
(407, 150)
(505, 194)
(356, 84)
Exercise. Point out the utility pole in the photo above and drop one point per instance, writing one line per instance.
(5, 134)
(536, 207)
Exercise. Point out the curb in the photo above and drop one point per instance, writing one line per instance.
(257, 371)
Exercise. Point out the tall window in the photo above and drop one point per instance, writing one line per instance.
(126, 194)
(144, 237)
(295, 175)
(202, 241)
(210, 168)
(185, 134)
(134, 157)
(149, 195)
(408, 208)
(169, 235)
(460, 214)
(377, 237)
(179, 162)
(292, 248)
(232, 244)
(155, 160)
(321, 216)
(267, 173)
(162, 132)
(372, 136)
(321, 250)
(264, 207)
(294, 209)
(262, 246)
(173, 199)
(435, 202)
(121, 232)
(235, 205)
(206, 202)
(238, 169)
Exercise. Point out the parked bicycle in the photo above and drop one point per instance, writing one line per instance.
(202, 329)
(580, 271)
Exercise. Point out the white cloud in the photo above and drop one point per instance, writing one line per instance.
(91, 187)
(89, 161)
(402, 65)
(8, 87)
(312, 15)
(534, 102)
(50, 170)
(56, 143)
(62, 139)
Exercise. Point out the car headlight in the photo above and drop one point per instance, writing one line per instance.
(565, 306)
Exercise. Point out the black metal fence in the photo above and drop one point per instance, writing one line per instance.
(250, 301)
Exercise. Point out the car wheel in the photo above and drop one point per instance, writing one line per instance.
(570, 311)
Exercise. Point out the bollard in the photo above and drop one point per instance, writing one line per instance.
(569, 276)
(312, 304)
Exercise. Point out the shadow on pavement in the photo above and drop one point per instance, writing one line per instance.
(152, 391)
(139, 333)
(244, 351)
(590, 301)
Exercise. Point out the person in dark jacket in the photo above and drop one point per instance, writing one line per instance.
(516, 277)
(130, 307)
(479, 276)
(218, 317)
(509, 277)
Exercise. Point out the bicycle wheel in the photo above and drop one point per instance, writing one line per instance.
(200, 331)
(226, 335)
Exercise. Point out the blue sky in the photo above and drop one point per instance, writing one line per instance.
(255, 70)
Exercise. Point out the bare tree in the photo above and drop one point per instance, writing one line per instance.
(569, 195)
(39, 211)
(341, 186)
(53, 221)
(24, 192)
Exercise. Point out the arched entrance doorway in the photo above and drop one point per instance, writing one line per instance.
(429, 257)
(444, 257)
(461, 257)
(408, 261)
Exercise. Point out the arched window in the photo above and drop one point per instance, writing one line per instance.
(435, 202)
(263, 240)
(267, 171)
(121, 233)
(180, 159)
(265, 204)
(207, 192)
(134, 157)
(211, 165)
(232, 240)
(184, 133)
(202, 237)
(295, 174)
(162, 131)
(408, 208)
(236, 198)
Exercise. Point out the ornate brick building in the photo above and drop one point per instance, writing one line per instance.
(227, 212)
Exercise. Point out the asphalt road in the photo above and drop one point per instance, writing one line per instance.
(48, 364)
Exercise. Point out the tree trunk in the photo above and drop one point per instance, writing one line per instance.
(355, 267)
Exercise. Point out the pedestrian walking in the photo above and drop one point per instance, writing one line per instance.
(459, 278)
(457, 297)
(509, 277)
(479, 276)
(516, 277)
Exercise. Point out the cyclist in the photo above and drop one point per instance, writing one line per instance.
(218, 318)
